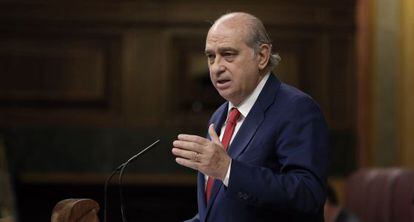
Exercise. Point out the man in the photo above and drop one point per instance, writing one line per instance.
(265, 157)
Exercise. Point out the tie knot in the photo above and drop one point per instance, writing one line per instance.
(233, 116)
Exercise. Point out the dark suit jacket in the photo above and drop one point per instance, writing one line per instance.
(279, 161)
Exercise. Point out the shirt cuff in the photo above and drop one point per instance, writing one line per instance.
(226, 179)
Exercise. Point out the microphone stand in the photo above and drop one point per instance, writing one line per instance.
(121, 168)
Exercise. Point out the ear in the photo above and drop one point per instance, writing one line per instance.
(263, 55)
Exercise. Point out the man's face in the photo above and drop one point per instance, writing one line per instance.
(233, 65)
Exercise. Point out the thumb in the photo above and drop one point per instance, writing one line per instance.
(213, 135)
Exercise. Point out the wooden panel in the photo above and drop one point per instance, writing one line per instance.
(52, 70)
(140, 64)
(192, 94)
(297, 66)
(150, 13)
(76, 31)
(363, 81)
(406, 87)
(385, 65)
(341, 80)
(59, 75)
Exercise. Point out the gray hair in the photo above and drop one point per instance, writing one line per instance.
(259, 36)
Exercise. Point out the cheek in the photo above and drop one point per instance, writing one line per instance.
(250, 78)
(210, 72)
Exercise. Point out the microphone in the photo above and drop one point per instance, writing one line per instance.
(121, 169)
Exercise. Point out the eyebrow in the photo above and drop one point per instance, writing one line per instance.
(222, 49)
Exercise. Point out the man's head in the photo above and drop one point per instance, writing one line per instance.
(239, 53)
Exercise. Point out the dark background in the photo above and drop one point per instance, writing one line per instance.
(84, 85)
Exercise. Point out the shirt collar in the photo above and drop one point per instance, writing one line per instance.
(245, 106)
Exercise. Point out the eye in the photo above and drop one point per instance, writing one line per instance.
(210, 58)
(229, 56)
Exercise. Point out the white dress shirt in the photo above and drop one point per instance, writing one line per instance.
(244, 109)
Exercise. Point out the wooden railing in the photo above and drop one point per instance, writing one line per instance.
(76, 210)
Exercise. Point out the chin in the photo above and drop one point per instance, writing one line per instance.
(230, 98)
(225, 95)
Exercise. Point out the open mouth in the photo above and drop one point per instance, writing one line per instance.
(223, 83)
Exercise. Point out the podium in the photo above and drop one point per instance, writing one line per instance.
(75, 210)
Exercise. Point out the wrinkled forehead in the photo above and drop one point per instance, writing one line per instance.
(227, 32)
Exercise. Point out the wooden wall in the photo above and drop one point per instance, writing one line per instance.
(385, 83)
(140, 64)
(406, 87)
(118, 63)
(84, 83)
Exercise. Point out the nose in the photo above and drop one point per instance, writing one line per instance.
(217, 67)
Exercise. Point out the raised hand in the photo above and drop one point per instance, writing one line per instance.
(199, 153)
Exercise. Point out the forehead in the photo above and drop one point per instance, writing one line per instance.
(224, 35)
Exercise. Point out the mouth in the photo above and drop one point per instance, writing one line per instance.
(223, 83)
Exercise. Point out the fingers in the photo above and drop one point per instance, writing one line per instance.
(186, 145)
(186, 154)
(213, 135)
(193, 138)
(187, 163)
(204, 155)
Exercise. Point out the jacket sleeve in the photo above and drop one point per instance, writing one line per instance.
(301, 149)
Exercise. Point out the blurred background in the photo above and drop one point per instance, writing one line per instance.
(84, 85)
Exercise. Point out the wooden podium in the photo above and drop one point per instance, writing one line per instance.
(75, 210)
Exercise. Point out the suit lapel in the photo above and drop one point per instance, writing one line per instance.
(255, 117)
(218, 123)
(246, 131)
(250, 128)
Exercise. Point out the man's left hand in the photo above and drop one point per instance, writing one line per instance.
(201, 154)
